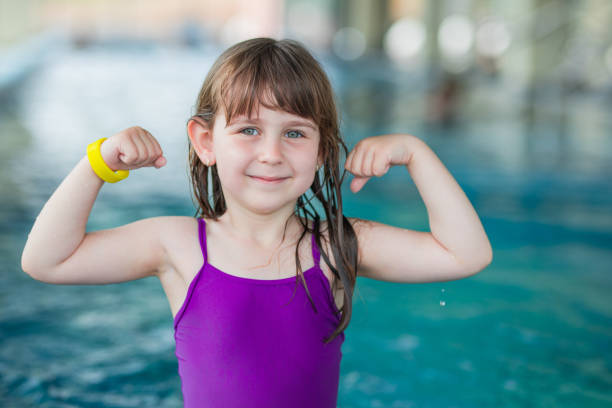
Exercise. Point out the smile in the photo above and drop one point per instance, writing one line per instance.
(267, 180)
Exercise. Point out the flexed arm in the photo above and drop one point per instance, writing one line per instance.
(457, 245)
(58, 249)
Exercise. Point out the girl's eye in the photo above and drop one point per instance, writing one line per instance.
(295, 132)
(249, 131)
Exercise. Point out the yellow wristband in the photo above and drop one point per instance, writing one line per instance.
(98, 165)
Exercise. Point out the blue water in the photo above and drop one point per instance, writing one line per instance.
(531, 330)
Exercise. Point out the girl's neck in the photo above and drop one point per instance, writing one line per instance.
(263, 232)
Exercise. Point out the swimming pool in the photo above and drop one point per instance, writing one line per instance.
(533, 329)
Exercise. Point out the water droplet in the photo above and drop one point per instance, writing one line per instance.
(442, 303)
(442, 290)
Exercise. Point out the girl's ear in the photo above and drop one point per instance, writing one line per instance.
(201, 137)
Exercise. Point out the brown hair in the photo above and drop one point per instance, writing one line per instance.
(282, 74)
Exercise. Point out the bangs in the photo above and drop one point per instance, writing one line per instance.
(272, 78)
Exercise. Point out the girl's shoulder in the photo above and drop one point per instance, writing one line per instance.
(356, 223)
(176, 230)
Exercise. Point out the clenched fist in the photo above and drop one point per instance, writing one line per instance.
(131, 149)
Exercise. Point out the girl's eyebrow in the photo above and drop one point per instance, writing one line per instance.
(293, 122)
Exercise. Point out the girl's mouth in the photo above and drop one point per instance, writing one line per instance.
(269, 180)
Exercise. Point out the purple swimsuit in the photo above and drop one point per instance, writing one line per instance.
(244, 342)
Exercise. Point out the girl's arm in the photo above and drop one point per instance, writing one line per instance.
(58, 250)
(457, 245)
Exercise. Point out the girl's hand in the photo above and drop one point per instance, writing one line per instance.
(131, 149)
(373, 156)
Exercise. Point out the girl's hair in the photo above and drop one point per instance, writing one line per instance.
(282, 74)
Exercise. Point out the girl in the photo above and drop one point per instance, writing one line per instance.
(252, 327)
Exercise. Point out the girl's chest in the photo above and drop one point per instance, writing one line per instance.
(185, 259)
(175, 283)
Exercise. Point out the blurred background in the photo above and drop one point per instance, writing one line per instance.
(514, 97)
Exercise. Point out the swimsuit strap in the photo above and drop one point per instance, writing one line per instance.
(202, 233)
(315, 251)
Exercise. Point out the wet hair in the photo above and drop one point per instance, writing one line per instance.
(282, 74)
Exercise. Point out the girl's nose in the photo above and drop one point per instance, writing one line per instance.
(270, 150)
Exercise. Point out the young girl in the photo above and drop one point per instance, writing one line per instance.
(252, 326)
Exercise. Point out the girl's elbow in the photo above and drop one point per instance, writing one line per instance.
(481, 266)
(36, 273)
(488, 258)
(32, 274)
(476, 265)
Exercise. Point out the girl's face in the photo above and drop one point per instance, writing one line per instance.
(265, 163)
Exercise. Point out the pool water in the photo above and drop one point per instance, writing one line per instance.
(531, 330)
